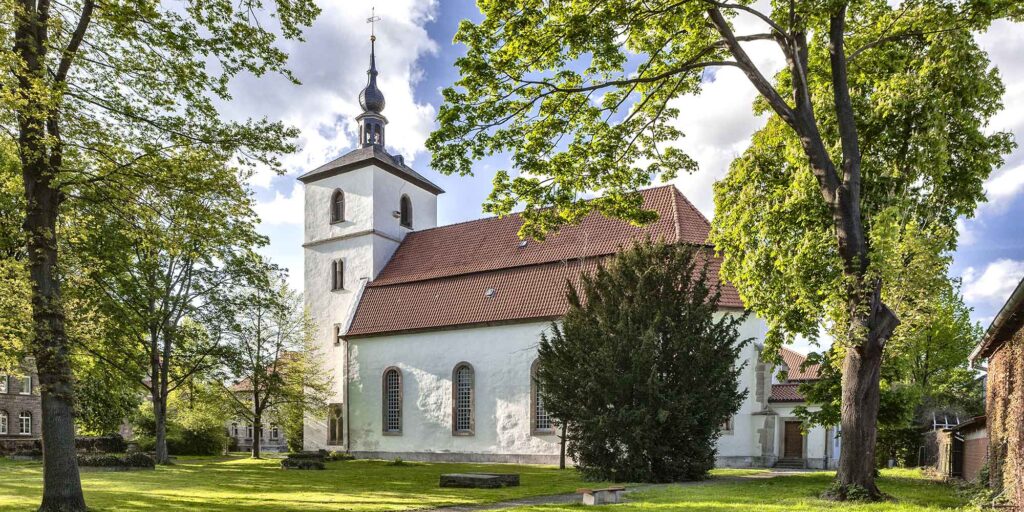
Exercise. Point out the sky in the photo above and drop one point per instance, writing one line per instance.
(415, 58)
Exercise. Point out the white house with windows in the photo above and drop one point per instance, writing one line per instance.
(431, 332)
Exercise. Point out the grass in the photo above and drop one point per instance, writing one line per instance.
(798, 492)
(238, 483)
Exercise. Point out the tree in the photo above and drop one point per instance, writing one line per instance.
(87, 82)
(642, 370)
(271, 354)
(877, 123)
(157, 273)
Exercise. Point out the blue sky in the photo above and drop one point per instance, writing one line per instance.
(416, 57)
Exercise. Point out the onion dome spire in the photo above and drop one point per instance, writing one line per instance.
(370, 98)
(371, 121)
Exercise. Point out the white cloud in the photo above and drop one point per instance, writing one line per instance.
(282, 210)
(331, 64)
(1004, 42)
(993, 285)
(1002, 187)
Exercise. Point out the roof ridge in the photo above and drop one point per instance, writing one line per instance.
(581, 259)
(520, 213)
(692, 206)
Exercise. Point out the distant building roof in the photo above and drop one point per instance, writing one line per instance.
(794, 360)
(786, 393)
(480, 272)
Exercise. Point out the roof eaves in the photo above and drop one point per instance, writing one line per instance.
(1012, 310)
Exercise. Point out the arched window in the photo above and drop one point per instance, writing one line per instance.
(463, 422)
(334, 424)
(337, 275)
(392, 401)
(3, 422)
(540, 421)
(25, 423)
(405, 211)
(338, 207)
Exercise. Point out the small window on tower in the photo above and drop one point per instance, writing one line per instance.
(338, 207)
(338, 275)
(405, 211)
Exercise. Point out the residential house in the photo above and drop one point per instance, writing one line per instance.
(20, 404)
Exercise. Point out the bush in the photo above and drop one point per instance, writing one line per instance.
(302, 463)
(208, 441)
(643, 370)
(134, 460)
(334, 456)
(101, 444)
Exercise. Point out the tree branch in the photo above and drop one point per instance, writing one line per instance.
(68, 54)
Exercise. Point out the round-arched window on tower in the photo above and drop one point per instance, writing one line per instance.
(405, 211)
(338, 207)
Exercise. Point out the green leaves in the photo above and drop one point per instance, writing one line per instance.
(643, 369)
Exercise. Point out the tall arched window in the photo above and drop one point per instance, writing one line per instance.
(540, 421)
(334, 430)
(392, 401)
(337, 275)
(3, 422)
(25, 423)
(405, 211)
(338, 207)
(463, 419)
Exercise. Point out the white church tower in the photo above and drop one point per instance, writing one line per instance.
(358, 209)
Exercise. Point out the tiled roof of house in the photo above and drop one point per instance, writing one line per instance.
(794, 360)
(480, 272)
(786, 393)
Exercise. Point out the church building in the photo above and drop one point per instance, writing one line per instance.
(431, 332)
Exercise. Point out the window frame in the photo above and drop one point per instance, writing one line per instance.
(26, 385)
(25, 415)
(384, 401)
(405, 211)
(274, 433)
(535, 401)
(338, 275)
(5, 423)
(234, 429)
(337, 217)
(3, 383)
(729, 426)
(250, 429)
(455, 400)
(335, 432)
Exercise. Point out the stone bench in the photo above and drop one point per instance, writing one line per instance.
(480, 480)
(606, 496)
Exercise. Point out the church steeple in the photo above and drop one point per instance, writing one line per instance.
(371, 121)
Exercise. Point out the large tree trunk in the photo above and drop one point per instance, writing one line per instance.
(162, 456)
(40, 162)
(860, 400)
(257, 430)
(62, 488)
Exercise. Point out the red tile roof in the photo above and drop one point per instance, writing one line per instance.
(440, 277)
(785, 393)
(793, 360)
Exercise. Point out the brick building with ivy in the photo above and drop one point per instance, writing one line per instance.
(1003, 348)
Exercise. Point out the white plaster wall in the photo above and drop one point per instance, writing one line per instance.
(743, 440)
(365, 241)
(501, 357)
(388, 190)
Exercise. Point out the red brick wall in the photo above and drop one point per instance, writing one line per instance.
(975, 455)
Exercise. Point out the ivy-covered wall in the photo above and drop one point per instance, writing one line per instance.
(1006, 418)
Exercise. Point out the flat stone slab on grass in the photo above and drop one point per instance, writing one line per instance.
(480, 480)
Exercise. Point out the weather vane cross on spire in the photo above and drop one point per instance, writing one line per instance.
(372, 20)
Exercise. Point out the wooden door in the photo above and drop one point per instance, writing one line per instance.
(793, 442)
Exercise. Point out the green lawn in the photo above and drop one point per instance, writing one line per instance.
(245, 484)
(238, 483)
(790, 493)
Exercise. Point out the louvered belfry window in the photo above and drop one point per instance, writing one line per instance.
(392, 401)
(463, 399)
